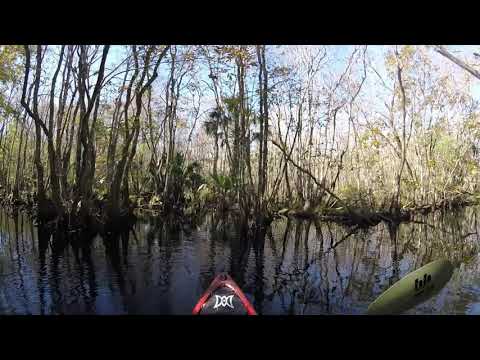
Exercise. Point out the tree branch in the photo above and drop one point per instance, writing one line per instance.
(315, 180)
(444, 52)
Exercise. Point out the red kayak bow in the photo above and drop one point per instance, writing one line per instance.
(223, 297)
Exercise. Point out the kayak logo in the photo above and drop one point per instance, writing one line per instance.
(421, 284)
(223, 301)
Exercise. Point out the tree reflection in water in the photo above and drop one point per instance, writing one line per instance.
(292, 267)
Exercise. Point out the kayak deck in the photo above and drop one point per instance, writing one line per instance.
(223, 297)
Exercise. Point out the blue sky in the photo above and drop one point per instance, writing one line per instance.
(337, 62)
(337, 56)
(340, 52)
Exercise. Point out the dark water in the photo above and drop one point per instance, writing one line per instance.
(298, 267)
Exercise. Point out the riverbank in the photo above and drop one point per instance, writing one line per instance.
(364, 217)
(351, 216)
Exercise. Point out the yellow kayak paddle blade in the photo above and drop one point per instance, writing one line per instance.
(413, 289)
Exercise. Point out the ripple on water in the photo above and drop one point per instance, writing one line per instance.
(292, 272)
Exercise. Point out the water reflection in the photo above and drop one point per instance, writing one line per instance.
(162, 266)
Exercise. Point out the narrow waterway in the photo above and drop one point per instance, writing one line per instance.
(298, 267)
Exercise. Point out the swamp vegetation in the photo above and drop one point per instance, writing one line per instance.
(316, 176)
(89, 135)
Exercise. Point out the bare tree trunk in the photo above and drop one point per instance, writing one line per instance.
(170, 120)
(33, 113)
(263, 151)
(113, 208)
(19, 160)
(265, 129)
(215, 156)
(404, 145)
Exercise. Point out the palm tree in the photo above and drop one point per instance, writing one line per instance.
(211, 129)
